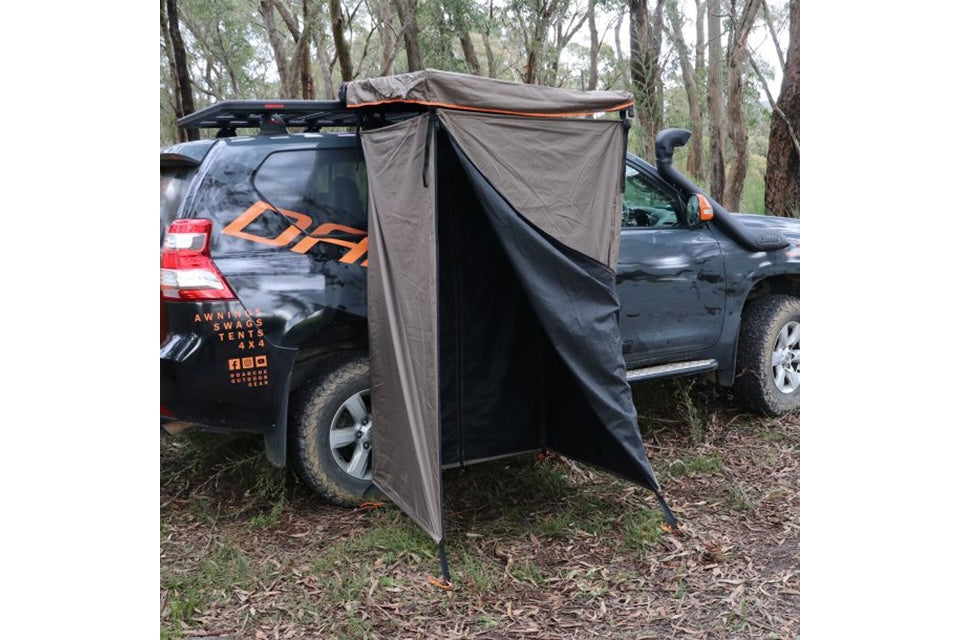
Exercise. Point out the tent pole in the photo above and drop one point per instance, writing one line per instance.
(671, 520)
(626, 116)
(444, 566)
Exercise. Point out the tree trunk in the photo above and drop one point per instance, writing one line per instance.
(175, 100)
(695, 157)
(462, 22)
(293, 72)
(407, 10)
(487, 48)
(645, 37)
(279, 52)
(700, 73)
(699, 68)
(715, 102)
(180, 60)
(541, 22)
(301, 48)
(594, 45)
(782, 182)
(733, 188)
(303, 44)
(773, 33)
(562, 39)
(338, 23)
(388, 49)
(469, 53)
(323, 56)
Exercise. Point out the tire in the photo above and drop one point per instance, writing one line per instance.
(768, 356)
(332, 406)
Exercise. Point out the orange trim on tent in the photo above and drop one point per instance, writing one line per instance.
(486, 110)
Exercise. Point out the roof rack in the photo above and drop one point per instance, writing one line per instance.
(270, 116)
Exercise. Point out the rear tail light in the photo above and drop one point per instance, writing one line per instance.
(186, 270)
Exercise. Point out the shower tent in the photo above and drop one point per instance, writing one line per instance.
(494, 228)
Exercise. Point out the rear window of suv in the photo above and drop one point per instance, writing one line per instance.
(328, 185)
(173, 186)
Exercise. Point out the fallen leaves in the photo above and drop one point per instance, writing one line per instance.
(731, 573)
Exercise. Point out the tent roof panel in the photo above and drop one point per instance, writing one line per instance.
(475, 93)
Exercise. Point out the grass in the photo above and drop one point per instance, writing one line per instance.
(476, 571)
(265, 521)
(225, 569)
(712, 463)
(394, 538)
(641, 529)
(532, 544)
(689, 402)
(488, 622)
(235, 459)
(737, 498)
(527, 571)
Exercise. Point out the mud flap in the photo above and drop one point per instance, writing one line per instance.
(275, 440)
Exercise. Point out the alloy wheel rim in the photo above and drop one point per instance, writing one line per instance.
(786, 358)
(350, 431)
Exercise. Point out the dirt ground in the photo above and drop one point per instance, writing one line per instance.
(538, 548)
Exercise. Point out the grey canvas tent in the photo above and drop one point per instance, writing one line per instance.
(494, 227)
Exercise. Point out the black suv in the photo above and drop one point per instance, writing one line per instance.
(263, 293)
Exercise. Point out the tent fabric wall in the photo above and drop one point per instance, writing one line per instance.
(492, 306)
(562, 176)
(402, 320)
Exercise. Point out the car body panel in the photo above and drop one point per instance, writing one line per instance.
(301, 294)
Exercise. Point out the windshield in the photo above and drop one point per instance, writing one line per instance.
(173, 186)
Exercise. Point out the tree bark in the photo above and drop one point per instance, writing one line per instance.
(699, 67)
(733, 188)
(323, 56)
(470, 53)
(487, 47)
(388, 49)
(543, 12)
(562, 39)
(715, 102)
(338, 23)
(594, 45)
(646, 30)
(175, 100)
(303, 45)
(773, 33)
(180, 60)
(293, 70)
(407, 10)
(692, 88)
(279, 51)
(782, 182)
(301, 48)
(461, 19)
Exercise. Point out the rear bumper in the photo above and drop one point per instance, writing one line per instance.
(219, 371)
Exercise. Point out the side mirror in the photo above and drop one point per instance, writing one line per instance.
(699, 210)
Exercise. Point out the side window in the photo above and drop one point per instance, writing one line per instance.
(645, 204)
(327, 185)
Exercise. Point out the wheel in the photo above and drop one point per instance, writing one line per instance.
(768, 356)
(330, 448)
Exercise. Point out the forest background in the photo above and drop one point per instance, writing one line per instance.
(728, 70)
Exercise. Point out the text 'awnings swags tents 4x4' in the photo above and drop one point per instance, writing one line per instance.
(493, 315)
